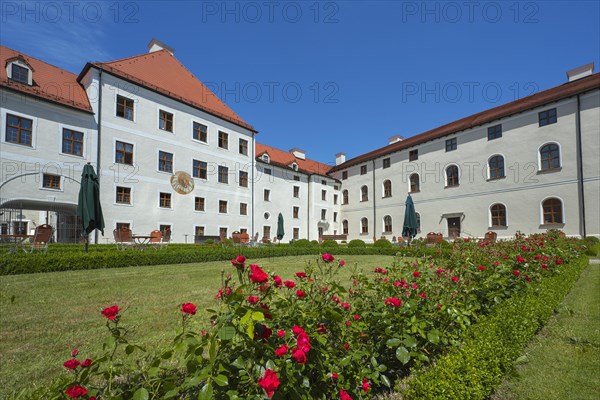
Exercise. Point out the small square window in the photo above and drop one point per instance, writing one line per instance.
(123, 153)
(124, 107)
(199, 169)
(123, 225)
(495, 132)
(296, 178)
(72, 142)
(243, 209)
(387, 162)
(243, 145)
(164, 200)
(323, 182)
(200, 132)
(199, 204)
(223, 140)
(363, 169)
(165, 161)
(223, 175)
(268, 171)
(165, 230)
(51, 181)
(165, 121)
(344, 175)
(547, 117)
(123, 195)
(451, 144)
(199, 231)
(222, 206)
(18, 130)
(243, 179)
(19, 74)
(413, 155)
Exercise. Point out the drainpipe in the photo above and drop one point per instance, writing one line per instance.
(582, 227)
(252, 191)
(374, 203)
(99, 142)
(308, 209)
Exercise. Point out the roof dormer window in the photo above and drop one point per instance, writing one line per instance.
(18, 70)
(294, 166)
(265, 158)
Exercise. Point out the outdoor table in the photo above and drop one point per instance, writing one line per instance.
(13, 241)
(141, 241)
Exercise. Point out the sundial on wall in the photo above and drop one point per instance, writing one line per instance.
(182, 182)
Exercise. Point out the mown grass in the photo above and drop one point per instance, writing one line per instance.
(44, 316)
(563, 360)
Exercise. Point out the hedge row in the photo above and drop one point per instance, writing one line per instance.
(476, 369)
(57, 260)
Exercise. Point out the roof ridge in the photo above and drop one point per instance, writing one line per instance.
(130, 57)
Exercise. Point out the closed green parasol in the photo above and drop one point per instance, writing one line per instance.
(280, 231)
(409, 227)
(89, 210)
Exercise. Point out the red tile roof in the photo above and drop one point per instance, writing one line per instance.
(284, 159)
(554, 94)
(161, 72)
(49, 82)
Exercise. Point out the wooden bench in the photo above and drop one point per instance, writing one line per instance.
(334, 237)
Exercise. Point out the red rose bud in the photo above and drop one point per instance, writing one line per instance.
(74, 353)
(342, 263)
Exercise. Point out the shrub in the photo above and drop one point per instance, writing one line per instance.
(301, 243)
(227, 242)
(314, 242)
(209, 242)
(356, 243)
(383, 243)
(329, 243)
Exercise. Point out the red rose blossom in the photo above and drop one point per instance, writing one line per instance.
(86, 363)
(327, 257)
(297, 330)
(346, 346)
(252, 299)
(345, 306)
(393, 302)
(300, 294)
(342, 263)
(277, 280)
(281, 333)
(257, 274)
(269, 382)
(455, 279)
(366, 385)
(416, 274)
(238, 262)
(481, 268)
(516, 272)
(281, 350)
(303, 342)
(299, 356)
(344, 395)
(334, 375)
(111, 312)
(74, 353)
(188, 308)
(290, 284)
(301, 274)
(76, 391)
(71, 364)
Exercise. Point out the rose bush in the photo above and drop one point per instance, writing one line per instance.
(332, 339)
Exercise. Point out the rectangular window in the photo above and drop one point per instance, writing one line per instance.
(165, 161)
(323, 182)
(123, 153)
(451, 144)
(296, 191)
(223, 206)
(199, 204)
(495, 132)
(223, 140)
(51, 181)
(296, 233)
(296, 178)
(296, 212)
(335, 199)
(18, 130)
(387, 162)
(335, 217)
(547, 117)
(243, 209)
(413, 155)
(199, 231)
(266, 195)
(200, 132)
(199, 169)
(19, 74)
(124, 107)
(164, 200)
(363, 169)
(243, 230)
(123, 195)
(165, 120)
(123, 225)
(223, 232)
(223, 174)
(323, 214)
(344, 175)
(72, 142)
(268, 171)
(324, 195)
(243, 147)
(165, 230)
(243, 179)
(267, 232)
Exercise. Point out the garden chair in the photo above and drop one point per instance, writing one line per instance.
(123, 238)
(245, 239)
(156, 239)
(41, 238)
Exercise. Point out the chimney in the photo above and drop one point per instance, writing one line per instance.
(340, 158)
(394, 139)
(298, 153)
(157, 45)
(580, 72)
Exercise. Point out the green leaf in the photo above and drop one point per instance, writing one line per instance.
(246, 318)
(212, 351)
(206, 393)
(393, 342)
(410, 341)
(386, 381)
(238, 363)
(270, 365)
(109, 343)
(129, 349)
(402, 355)
(221, 380)
(250, 331)
(258, 316)
(141, 394)
(433, 336)
(152, 372)
(227, 332)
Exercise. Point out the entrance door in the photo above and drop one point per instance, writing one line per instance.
(454, 227)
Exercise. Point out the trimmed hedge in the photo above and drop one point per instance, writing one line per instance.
(476, 369)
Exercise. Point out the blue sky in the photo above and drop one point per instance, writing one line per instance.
(330, 76)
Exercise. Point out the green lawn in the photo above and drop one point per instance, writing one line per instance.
(563, 360)
(44, 316)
